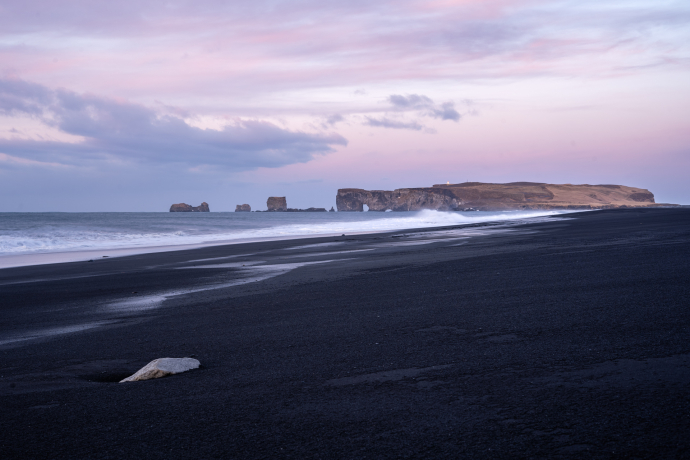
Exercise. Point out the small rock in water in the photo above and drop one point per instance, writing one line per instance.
(162, 367)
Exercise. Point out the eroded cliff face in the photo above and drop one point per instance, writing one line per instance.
(494, 197)
(243, 208)
(184, 207)
(404, 199)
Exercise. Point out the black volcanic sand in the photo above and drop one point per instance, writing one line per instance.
(561, 339)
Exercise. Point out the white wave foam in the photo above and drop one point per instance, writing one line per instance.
(79, 236)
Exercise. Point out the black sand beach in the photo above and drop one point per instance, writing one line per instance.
(561, 339)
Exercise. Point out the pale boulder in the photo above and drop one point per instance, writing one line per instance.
(162, 367)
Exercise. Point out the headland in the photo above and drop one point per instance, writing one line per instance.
(478, 196)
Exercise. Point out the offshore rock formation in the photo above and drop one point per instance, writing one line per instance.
(306, 210)
(183, 207)
(279, 204)
(477, 196)
(276, 203)
(243, 208)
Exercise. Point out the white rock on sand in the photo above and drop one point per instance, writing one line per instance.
(163, 367)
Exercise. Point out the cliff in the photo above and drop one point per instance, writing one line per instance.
(477, 196)
(183, 207)
(243, 208)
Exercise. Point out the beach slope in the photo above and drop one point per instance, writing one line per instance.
(565, 338)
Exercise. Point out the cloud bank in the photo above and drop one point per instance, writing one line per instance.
(445, 111)
(420, 105)
(387, 123)
(118, 130)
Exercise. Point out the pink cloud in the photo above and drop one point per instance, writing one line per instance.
(142, 48)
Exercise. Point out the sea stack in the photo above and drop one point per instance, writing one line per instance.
(243, 208)
(276, 204)
(184, 207)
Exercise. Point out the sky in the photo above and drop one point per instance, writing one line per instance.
(136, 105)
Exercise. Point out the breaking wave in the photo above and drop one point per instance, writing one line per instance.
(26, 233)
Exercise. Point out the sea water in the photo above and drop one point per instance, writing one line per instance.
(45, 233)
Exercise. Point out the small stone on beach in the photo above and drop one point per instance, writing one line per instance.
(162, 367)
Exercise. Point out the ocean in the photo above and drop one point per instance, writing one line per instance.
(31, 234)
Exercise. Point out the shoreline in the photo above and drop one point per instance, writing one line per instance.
(44, 258)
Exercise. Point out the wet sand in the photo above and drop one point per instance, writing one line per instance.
(566, 339)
